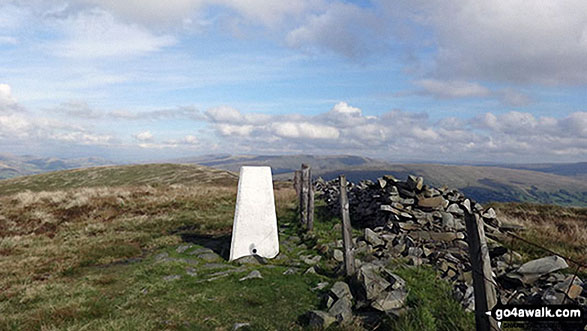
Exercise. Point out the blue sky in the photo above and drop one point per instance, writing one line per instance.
(450, 81)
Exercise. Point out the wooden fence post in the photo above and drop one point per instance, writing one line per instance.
(304, 195)
(347, 239)
(297, 182)
(485, 297)
(311, 207)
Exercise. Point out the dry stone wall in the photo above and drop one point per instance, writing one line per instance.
(425, 225)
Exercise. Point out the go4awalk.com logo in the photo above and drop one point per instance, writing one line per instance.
(563, 314)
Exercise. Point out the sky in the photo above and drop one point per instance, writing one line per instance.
(501, 81)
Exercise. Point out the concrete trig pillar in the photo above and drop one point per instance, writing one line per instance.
(254, 231)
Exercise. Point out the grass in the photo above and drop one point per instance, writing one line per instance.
(431, 304)
(560, 229)
(113, 176)
(84, 258)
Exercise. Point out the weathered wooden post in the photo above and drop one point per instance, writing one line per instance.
(347, 239)
(297, 182)
(304, 195)
(485, 297)
(312, 191)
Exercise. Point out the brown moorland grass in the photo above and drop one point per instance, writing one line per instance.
(64, 255)
(47, 234)
(560, 229)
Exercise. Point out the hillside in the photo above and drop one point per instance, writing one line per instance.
(482, 183)
(13, 166)
(130, 175)
(576, 170)
(129, 248)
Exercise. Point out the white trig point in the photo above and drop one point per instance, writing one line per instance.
(254, 231)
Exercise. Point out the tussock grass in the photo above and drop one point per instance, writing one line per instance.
(83, 259)
(561, 229)
(44, 237)
(114, 176)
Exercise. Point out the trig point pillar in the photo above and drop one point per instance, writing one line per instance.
(254, 231)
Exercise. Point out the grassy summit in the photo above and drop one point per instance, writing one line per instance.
(115, 248)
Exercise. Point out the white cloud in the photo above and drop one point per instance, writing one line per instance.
(404, 135)
(537, 42)
(235, 130)
(96, 33)
(144, 136)
(305, 130)
(6, 98)
(224, 114)
(344, 108)
(342, 28)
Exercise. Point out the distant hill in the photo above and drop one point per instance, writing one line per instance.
(482, 183)
(128, 175)
(284, 164)
(562, 184)
(577, 170)
(13, 165)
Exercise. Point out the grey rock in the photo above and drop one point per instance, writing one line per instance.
(342, 310)
(290, 271)
(435, 236)
(414, 260)
(255, 274)
(312, 260)
(320, 319)
(373, 238)
(543, 265)
(251, 259)
(338, 255)
(310, 271)
(161, 256)
(553, 297)
(396, 281)
(371, 282)
(239, 326)
(415, 251)
(455, 209)
(341, 290)
(448, 221)
(210, 257)
(320, 286)
(434, 202)
(489, 213)
(329, 301)
(200, 250)
(183, 248)
(382, 182)
(390, 300)
(415, 183)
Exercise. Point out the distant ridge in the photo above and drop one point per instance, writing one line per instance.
(13, 165)
(482, 183)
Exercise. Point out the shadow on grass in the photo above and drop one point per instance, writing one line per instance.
(220, 244)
